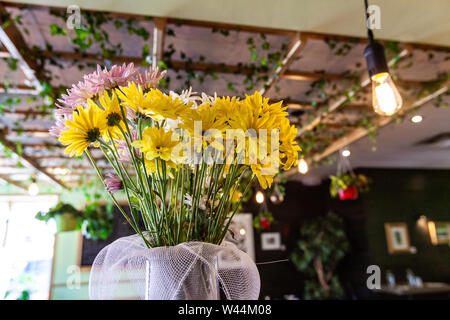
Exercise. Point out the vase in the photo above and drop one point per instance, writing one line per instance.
(65, 222)
(128, 269)
(351, 193)
(200, 283)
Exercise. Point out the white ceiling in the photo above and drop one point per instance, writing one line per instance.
(401, 20)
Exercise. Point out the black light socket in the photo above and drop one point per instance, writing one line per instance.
(375, 58)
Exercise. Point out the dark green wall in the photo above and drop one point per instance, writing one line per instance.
(402, 196)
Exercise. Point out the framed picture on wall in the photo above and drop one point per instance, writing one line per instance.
(397, 237)
(439, 232)
(242, 233)
(270, 241)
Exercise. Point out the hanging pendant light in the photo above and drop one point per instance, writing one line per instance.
(386, 99)
(276, 197)
(33, 188)
(303, 166)
(259, 197)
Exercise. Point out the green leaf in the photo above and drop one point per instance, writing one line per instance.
(230, 86)
(56, 30)
(12, 63)
(162, 65)
(82, 34)
(145, 51)
(118, 24)
(263, 62)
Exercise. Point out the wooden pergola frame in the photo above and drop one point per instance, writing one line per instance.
(16, 48)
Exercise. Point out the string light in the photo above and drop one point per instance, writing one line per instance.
(346, 153)
(417, 118)
(303, 166)
(259, 197)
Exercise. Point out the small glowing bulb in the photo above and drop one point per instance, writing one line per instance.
(242, 232)
(303, 166)
(259, 197)
(346, 153)
(33, 189)
(417, 118)
(386, 99)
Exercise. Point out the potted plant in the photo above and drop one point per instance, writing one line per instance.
(348, 185)
(263, 220)
(322, 244)
(97, 221)
(66, 216)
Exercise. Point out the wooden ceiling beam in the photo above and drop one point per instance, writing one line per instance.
(25, 130)
(312, 76)
(159, 32)
(42, 146)
(12, 40)
(296, 45)
(176, 65)
(27, 112)
(16, 184)
(30, 162)
(18, 89)
(184, 65)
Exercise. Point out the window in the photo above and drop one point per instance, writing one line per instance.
(26, 247)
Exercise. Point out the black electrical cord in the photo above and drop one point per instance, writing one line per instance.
(369, 31)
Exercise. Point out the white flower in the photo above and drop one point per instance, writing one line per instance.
(187, 96)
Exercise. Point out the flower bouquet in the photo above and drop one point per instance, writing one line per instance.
(179, 159)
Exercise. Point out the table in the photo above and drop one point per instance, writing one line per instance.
(409, 291)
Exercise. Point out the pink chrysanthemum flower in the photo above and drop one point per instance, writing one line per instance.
(97, 81)
(122, 148)
(150, 78)
(78, 94)
(113, 183)
(117, 76)
(61, 118)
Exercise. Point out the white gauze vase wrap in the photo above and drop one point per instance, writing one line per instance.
(128, 269)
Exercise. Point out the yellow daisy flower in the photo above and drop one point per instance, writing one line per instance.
(226, 107)
(88, 126)
(289, 148)
(207, 116)
(112, 113)
(154, 103)
(161, 106)
(261, 105)
(264, 173)
(158, 143)
(133, 97)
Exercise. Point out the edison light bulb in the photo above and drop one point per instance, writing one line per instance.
(386, 99)
(346, 153)
(259, 197)
(303, 166)
(33, 189)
